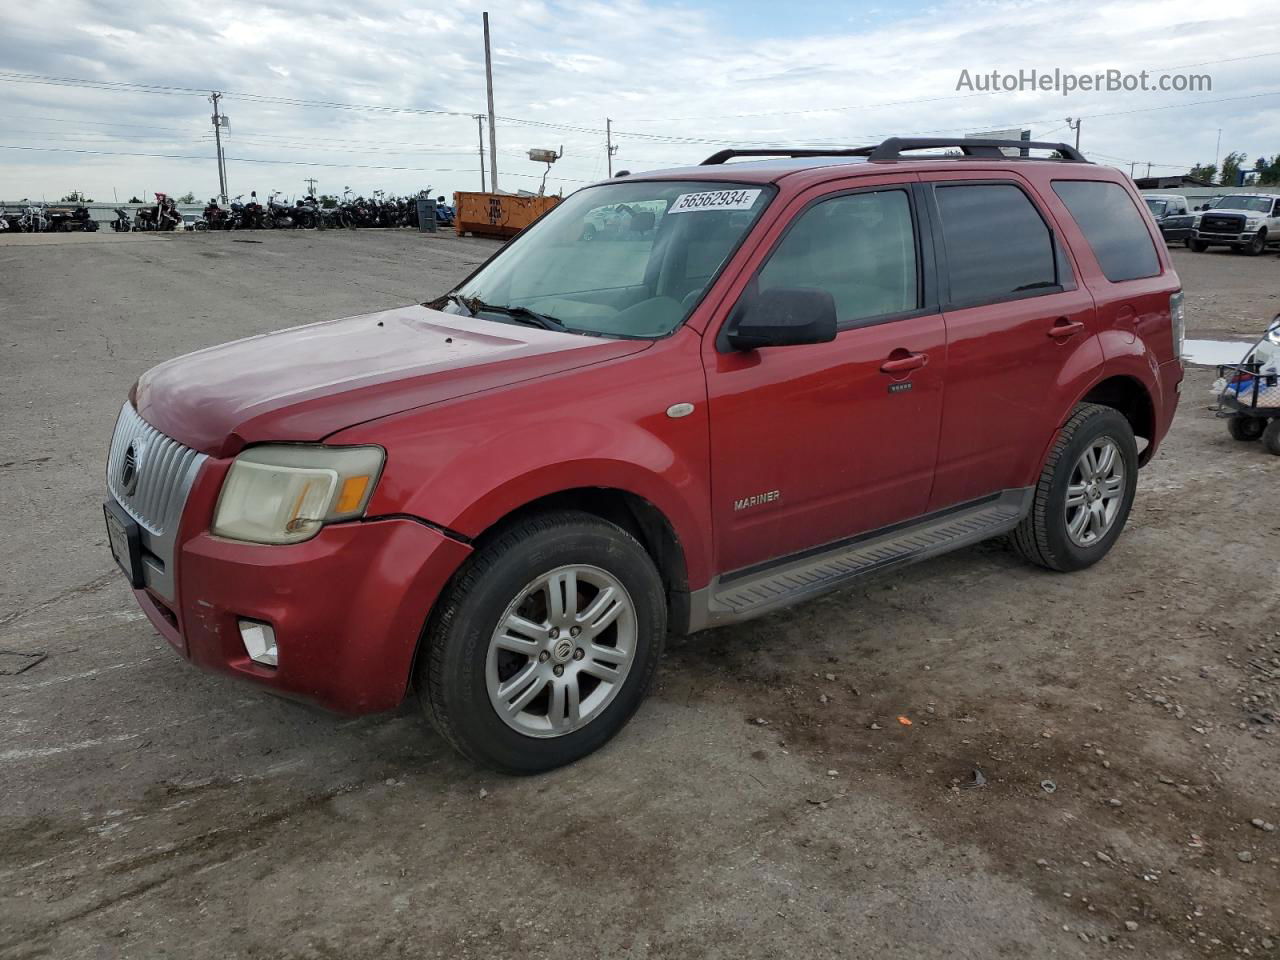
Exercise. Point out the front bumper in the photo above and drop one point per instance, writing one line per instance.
(1243, 237)
(347, 607)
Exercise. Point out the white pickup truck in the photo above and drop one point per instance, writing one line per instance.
(1246, 222)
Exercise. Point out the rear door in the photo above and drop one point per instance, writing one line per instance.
(814, 443)
(1019, 329)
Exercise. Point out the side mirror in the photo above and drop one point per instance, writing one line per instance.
(783, 317)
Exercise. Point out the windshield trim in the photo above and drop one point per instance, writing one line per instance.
(770, 191)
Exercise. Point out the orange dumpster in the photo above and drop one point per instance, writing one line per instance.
(497, 214)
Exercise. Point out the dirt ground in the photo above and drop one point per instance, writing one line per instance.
(1083, 759)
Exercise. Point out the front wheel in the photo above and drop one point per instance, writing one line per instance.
(1246, 429)
(545, 644)
(1257, 245)
(1084, 494)
(1198, 246)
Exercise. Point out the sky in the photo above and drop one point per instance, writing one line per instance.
(381, 94)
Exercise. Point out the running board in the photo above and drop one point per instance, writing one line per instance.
(759, 590)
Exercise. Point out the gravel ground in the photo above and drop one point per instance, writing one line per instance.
(1090, 762)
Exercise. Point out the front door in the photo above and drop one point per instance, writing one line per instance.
(814, 443)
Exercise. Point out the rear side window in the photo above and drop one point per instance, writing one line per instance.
(859, 247)
(1112, 225)
(998, 247)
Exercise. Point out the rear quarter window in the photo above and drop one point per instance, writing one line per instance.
(1112, 226)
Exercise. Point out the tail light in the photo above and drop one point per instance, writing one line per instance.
(1178, 319)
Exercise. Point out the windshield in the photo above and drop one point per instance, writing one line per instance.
(1244, 202)
(1157, 207)
(624, 259)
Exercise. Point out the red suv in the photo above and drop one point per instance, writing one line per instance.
(775, 377)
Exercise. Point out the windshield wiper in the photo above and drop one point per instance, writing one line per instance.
(523, 315)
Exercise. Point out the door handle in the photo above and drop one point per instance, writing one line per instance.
(913, 361)
(1062, 327)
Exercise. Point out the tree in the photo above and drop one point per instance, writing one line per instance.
(1207, 172)
(134, 200)
(1231, 168)
(75, 196)
(188, 197)
(1269, 170)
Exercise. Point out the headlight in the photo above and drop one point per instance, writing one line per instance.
(284, 493)
(1253, 223)
(1195, 221)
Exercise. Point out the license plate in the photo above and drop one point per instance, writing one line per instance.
(125, 542)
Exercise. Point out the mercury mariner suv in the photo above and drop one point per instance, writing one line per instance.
(777, 376)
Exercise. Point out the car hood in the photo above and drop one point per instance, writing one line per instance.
(305, 383)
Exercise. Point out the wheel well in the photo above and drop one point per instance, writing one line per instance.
(634, 514)
(1131, 399)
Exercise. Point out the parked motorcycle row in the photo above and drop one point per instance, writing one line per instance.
(41, 218)
(305, 214)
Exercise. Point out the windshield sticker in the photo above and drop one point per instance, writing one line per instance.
(715, 200)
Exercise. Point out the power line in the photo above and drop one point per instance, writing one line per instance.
(290, 163)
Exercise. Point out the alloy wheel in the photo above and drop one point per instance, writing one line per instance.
(1095, 492)
(561, 651)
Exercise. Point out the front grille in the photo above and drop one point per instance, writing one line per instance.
(150, 475)
(1220, 223)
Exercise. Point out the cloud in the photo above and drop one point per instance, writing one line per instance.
(667, 74)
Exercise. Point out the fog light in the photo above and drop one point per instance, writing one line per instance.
(259, 641)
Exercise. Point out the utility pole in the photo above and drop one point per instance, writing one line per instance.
(493, 133)
(1132, 164)
(217, 136)
(311, 186)
(480, 131)
(1076, 127)
(1217, 147)
(1148, 168)
(609, 148)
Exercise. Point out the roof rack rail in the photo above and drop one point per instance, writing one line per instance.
(892, 149)
(726, 155)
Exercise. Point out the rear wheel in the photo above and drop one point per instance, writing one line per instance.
(1198, 246)
(1085, 492)
(545, 644)
(1271, 437)
(1246, 428)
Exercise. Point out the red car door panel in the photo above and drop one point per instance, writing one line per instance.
(813, 443)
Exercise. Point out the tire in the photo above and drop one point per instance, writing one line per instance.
(1198, 246)
(1271, 437)
(1246, 429)
(461, 671)
(1043, 536)
(1257, 245)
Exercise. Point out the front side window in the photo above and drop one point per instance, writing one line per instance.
(623, 259)
(998, 247)
(860, 248)
(1157, 207)
(1112, 226)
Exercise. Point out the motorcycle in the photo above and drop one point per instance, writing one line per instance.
(444, 213)
(64, 220)
(167, 216)
(214, 216)
(33, 219)
(279, 215)
(254, 215)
